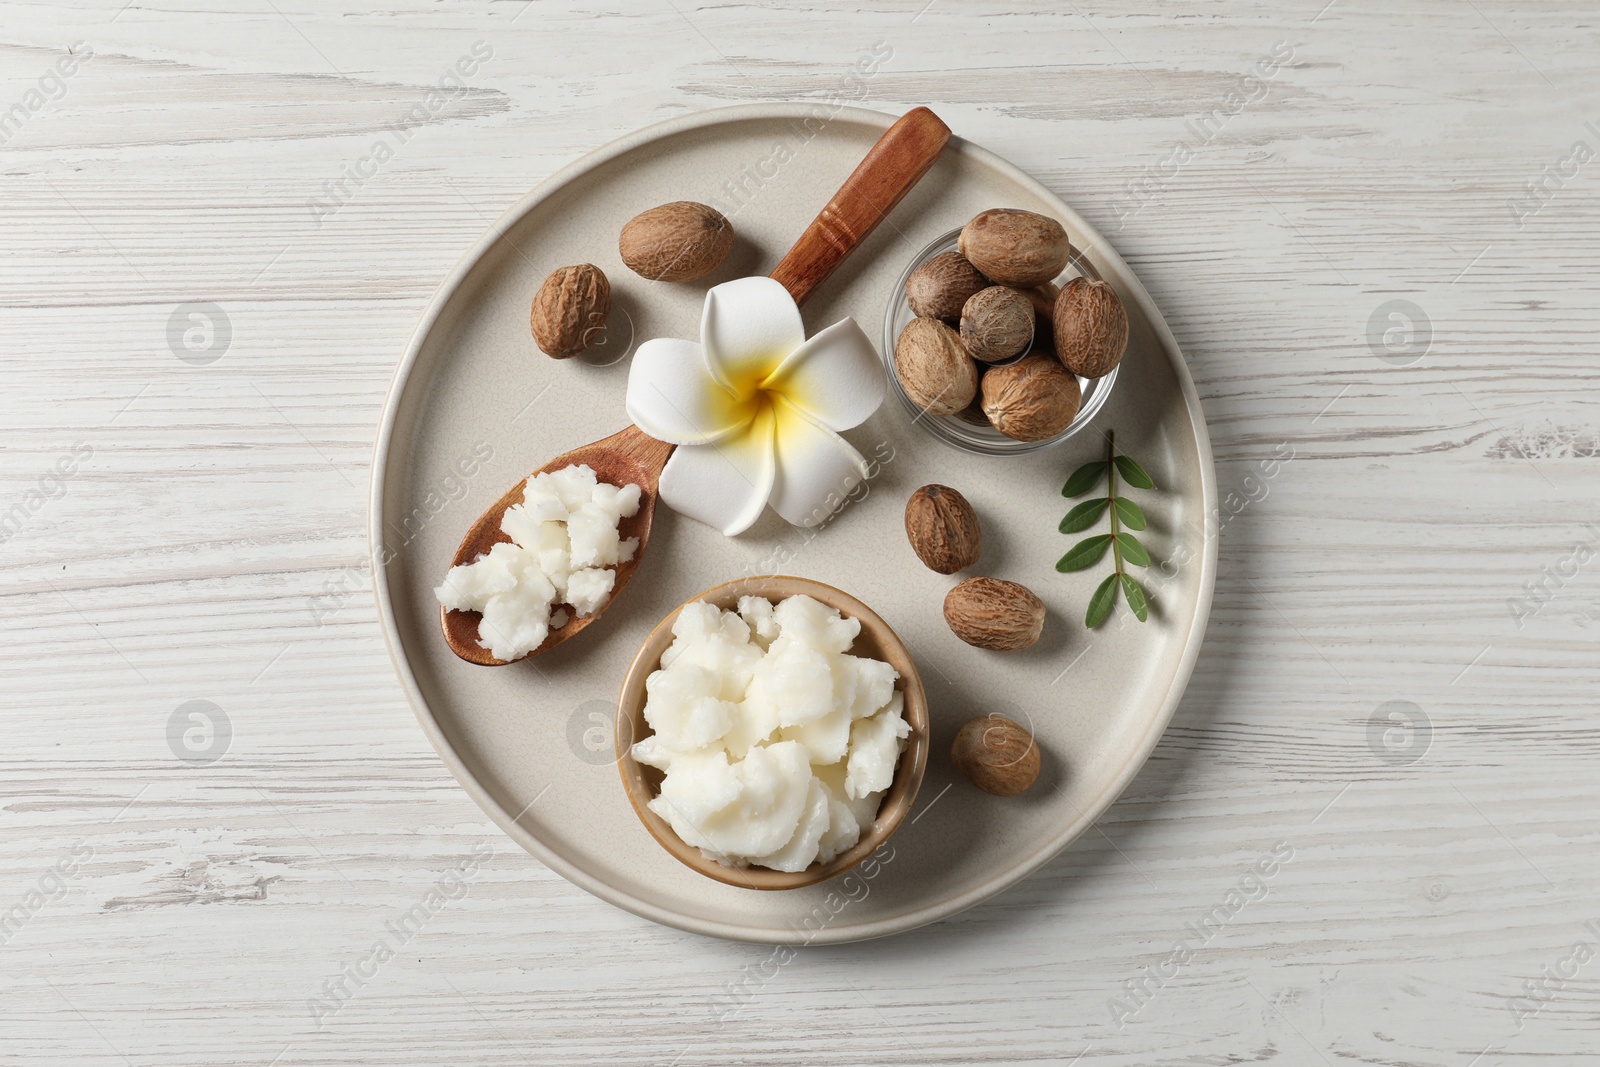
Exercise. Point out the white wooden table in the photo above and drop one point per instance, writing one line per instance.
(1395, 705)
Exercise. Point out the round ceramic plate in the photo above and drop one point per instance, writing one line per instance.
(475, 406)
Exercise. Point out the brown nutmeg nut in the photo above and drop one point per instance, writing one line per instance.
(995, 614)
(933, 367)
(943, 529)
(940, 286)
(1013, 247)
(1090, 326)
(676, 242)
(996, 323)
(997, 755)
(1031, 399)
(569, 310)
(973, 414)
(1043, 299)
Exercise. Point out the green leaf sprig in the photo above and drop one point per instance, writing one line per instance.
(1125, 548)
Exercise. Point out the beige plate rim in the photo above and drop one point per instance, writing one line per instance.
(1070, 830)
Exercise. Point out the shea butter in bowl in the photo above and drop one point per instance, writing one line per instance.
(793, 735)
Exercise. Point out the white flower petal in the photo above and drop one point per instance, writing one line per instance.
(835, 377)
(748, 327)
(726, 484)
(816, 468)
(673, 398)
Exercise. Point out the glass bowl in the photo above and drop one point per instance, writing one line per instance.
(954, 430)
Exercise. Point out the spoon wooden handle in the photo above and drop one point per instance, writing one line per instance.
(897, 162)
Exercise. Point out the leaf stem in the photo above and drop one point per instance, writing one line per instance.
(1111, 499)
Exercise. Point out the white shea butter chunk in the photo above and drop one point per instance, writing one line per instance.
(875, 744)
(511, 590)
(777, 745)
(589, 589)
(563, 543)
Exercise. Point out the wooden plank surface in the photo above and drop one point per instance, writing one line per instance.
(194, 531)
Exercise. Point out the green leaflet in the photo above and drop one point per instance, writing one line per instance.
(1132, 550)
(1084, 478)
(1085, 553)
(1131, 514)
(1136, 598)
(1105, 596)
(1084, 515)
(1133, 474)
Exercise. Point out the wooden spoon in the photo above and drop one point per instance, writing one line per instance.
(896, 163)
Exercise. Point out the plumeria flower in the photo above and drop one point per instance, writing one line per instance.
(755, 408)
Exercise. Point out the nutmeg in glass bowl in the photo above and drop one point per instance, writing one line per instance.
(969, 430)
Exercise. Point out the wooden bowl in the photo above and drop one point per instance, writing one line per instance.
(876, 640)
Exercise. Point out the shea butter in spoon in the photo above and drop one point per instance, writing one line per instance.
(541, 564)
